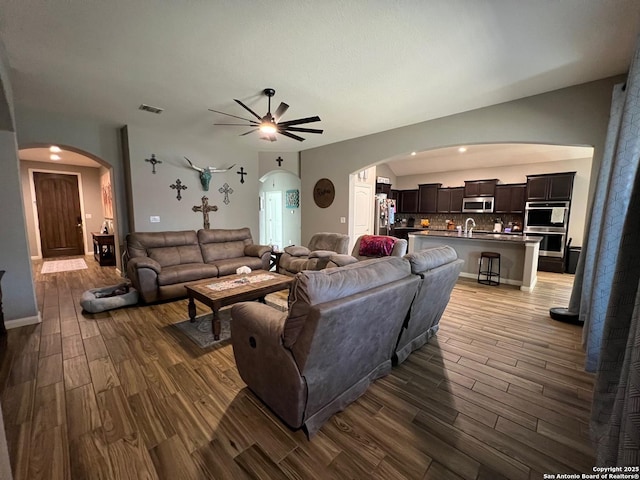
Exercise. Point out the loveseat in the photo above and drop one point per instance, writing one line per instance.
(370, 246)
(315, 256)
(338, 336)
(161, 264)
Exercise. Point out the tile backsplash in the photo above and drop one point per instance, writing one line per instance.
(484, 221)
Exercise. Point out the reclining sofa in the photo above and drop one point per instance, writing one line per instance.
(161, 264)
(344, 328)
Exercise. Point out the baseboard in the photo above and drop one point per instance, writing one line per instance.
(23, 322)
(506, 281)
(36, 257)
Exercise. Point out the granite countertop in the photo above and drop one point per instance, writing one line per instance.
(499, 237)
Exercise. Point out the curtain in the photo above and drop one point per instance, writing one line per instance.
(605, 291)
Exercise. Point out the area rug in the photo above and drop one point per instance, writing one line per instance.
(55, 266)
(200, 331)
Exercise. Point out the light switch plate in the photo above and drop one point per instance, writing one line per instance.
(343, 219)
(154, 219)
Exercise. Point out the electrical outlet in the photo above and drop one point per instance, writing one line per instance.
(154, 219)
(343, 220)
(87, 215)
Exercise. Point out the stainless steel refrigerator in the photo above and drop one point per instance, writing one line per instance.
(385, 210)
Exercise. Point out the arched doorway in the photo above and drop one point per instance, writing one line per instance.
(280, 222)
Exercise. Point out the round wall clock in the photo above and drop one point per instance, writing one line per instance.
(324, 192)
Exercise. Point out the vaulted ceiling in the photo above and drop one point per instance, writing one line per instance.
(362, 66)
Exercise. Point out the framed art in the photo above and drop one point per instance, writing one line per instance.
(292, 199)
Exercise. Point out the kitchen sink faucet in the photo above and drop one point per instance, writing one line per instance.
(467, 231)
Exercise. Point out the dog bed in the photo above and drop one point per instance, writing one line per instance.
(101, 299)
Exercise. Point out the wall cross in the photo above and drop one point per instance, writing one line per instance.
(242, 173)
(205, 208)
(153, 161)
(279, 160)
(178, 186)
(226, 189)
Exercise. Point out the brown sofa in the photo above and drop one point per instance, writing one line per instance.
(315, 256)
(161, 264)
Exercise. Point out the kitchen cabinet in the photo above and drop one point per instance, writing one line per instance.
(383, 188)
(510, 198)
(450, 200)
(428, 197)
(408, 201)
(393, 195)
(480, 188)
(552, 187)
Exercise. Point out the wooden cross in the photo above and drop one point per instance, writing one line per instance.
(178, 186)
(242, 173)
(205, 208)
(153, 161)
(226, 190)
(279, 160)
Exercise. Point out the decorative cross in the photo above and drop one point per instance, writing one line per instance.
(205, 208)
(178, 186)
(242, 173)
(226, 190)
(153, 161)
(279, 160)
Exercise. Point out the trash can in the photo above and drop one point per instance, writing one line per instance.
(572, 259)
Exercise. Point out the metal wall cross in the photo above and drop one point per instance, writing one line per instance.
(279, 160)
(242, 173)
(153, 161)
(205, 208)
(178, 186)
(226, 189)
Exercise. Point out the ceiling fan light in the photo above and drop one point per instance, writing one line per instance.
(268, 128)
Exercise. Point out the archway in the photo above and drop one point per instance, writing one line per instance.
(280, 222)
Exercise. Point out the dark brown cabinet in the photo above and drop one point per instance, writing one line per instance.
(408, 201)
(480, 188)
(394, 195)
(450, 200)
(552, 187)
(510, 198)
(383, 188)
(428, 197)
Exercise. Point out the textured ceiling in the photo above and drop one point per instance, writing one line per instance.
(362, 66)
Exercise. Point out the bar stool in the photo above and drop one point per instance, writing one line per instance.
(489, 273)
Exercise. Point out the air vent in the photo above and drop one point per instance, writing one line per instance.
(149, 108)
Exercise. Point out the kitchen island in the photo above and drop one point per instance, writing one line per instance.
(519, 253)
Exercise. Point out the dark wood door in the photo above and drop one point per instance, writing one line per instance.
(409, 201)
(561, 186)
(457, 195)
(444, 200)
(59, 216)
(428, 197)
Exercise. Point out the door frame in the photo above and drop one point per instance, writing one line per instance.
(36, 223)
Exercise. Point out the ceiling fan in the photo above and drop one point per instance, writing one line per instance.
(270, 124)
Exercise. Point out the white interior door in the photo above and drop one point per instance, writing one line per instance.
(273, 218)
(362, 210)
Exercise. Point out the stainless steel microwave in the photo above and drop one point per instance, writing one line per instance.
(478, 205)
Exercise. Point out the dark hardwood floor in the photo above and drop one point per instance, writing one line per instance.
(499, 393)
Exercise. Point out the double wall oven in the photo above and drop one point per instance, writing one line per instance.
(550, 221)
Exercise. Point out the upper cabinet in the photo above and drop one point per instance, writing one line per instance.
(480, 188)
(553, 187)
(407, 201)
(383, 188)
(510, 198)
(450, 200)
(428, 197)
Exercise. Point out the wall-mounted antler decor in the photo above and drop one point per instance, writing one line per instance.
(205, 173)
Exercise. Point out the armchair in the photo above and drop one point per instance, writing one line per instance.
(371, 246)
(316, 255)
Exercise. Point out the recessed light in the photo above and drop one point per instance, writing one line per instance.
(55, 149)
(462, 149)
(54, 157)
(413, 154)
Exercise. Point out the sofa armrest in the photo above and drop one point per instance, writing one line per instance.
(321, 254)
(297, 251)
(143, 273)
(342, 260)
(143, 262)
(256, 250)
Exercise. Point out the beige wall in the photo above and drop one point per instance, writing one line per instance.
(577, 115)
(518, 174)
(91, 199)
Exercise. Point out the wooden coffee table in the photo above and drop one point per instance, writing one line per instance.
(233, 291)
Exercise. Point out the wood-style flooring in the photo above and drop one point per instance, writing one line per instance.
(499, 393)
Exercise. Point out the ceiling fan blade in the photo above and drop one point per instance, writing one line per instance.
(234, 116)
(299, 121)
(282, 108)
(238, 124)
(307, 130)
(247, 133)
(291, 135)
(248, 109)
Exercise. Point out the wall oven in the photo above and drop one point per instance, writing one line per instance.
(550, 221)
(552, 243)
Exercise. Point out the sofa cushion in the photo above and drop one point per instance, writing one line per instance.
(187, 272)
(178, 255)
(139, 243)
(313, 287)
(430, 258)
(228, 266)
(221, 244)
